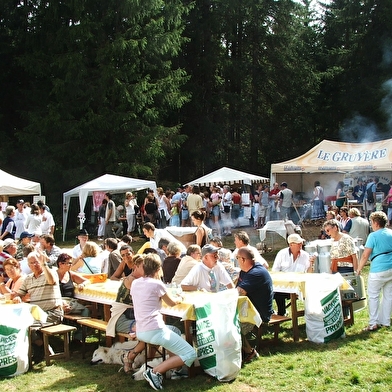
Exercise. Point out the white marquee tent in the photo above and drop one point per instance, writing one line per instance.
(107, 182)
(228, 176)
(14, 186)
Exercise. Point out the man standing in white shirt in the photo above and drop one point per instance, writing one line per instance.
(47, 224)
(20, 218)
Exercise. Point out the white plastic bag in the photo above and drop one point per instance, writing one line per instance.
(218, 335)
(323, 308)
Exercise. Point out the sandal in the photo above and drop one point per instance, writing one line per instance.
(370, 328)
(127, 361)
(251, 356)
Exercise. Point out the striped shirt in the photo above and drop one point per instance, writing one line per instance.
(43, 294)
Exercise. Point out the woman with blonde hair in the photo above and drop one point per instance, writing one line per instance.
(88, 262)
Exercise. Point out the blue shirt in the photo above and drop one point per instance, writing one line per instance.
(257, 283)
(380, 241)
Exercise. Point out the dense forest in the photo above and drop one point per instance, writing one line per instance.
(171, 90)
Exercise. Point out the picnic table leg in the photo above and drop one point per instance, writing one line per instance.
(294, 316)
(189, 339)
(106, 317)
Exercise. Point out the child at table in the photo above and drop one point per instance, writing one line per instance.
(147, 294)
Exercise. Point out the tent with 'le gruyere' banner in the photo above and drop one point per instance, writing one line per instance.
(330, 162)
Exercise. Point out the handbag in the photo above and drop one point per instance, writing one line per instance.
(226, 209)
(390, 204)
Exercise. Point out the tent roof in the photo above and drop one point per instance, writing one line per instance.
(107, 182)
(226, 175)
(330, 156)
(14, 186)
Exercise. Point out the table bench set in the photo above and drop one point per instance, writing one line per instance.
(105, 294)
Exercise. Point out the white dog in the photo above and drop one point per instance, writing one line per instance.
(113, 355)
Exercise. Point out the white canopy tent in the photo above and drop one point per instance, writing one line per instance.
(330, 162)
(14, 186)
(107, 182)
(228, 176)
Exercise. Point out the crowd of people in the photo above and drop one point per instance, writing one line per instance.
(34, 269)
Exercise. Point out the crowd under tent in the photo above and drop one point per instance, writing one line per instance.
(228, 176)
(330, 162)
(106, 183)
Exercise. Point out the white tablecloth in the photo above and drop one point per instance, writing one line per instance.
(275, 226)
(180, 231)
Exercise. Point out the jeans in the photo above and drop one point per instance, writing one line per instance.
(380, 309)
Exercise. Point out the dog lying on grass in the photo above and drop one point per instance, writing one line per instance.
(112, 355)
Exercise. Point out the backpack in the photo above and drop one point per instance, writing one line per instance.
(369, 194)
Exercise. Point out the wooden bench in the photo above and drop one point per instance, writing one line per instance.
(275, 321)
(100, 326)
(59, 329)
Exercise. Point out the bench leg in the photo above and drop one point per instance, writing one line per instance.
(46, 348)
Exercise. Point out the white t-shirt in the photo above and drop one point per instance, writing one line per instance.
(47, 222)
(20, 219)
(33, 223)
(146, 297)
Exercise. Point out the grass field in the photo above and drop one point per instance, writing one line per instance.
(362, 361)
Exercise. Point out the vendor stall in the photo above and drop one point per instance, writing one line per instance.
(330, 162)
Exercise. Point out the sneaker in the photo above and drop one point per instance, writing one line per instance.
(178, 374)
(154, 379)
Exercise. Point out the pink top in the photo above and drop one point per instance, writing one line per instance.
(15, 286)
(146, 297)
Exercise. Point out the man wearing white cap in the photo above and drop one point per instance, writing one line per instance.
(208, 274)
(291, 259)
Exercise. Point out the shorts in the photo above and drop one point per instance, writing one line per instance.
(215, 210)
(185, 214)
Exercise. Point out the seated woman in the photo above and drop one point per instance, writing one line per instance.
(202, 230)
(67, 280)
(125, 267)
(343, 253)
(12, 268)
(88, 262)
(171, 262)
(147, 294)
